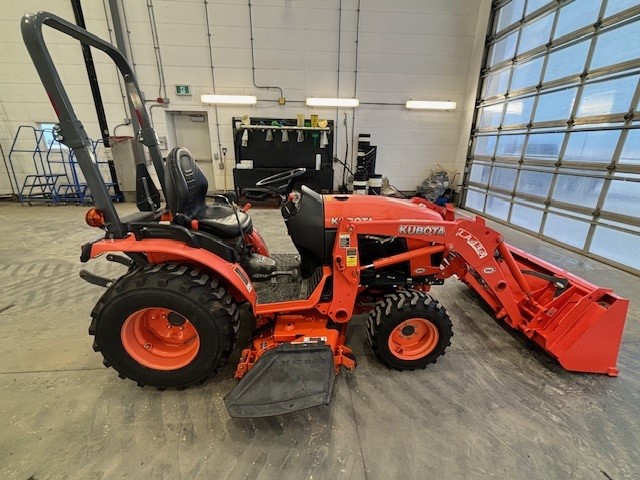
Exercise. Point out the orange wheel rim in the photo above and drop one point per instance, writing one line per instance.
(160, 339)
(413, 339)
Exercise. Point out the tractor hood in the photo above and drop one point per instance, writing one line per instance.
(366, 208)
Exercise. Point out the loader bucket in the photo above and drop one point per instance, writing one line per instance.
(577, 322)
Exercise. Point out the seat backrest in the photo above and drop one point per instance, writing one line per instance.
(186, 185)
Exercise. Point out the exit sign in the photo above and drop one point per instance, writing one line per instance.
(183, 89)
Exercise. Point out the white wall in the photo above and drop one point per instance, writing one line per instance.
(418, 49)
(468, 105)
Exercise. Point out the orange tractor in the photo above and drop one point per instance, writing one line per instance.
(172, 320)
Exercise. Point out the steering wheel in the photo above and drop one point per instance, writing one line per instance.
(281, 177)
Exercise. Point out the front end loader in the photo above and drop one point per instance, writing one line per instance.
(172, 319)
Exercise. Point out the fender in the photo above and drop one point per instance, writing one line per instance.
(160, 250)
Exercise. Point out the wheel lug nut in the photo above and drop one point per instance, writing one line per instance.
(147, 346)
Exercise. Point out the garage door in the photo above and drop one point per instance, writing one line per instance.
(555, 147)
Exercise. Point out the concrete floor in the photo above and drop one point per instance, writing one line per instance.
(493, 407)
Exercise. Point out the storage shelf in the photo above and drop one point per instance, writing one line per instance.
(271, 127)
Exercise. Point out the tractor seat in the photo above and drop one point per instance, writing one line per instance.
(186, 193)
(220, 220)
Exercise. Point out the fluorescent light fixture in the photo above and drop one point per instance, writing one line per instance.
(430, 105)
(229, 99)
(333, 102)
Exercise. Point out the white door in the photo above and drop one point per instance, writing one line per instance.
(192, 132)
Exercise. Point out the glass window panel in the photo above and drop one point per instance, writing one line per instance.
(534, 182)
(576, 15)
(504, 178)
(591, 146)
(509, 14)
(566, 230)
(603, 98)
(544, 145)
(526, 74)
(583, 191)
(624, 198)
(526, 217)
(510, 146)
(533, 5)
(504, 49)
(518, 111)
(497, 207)
(630, 154)
(490, 116)
(485, 145)
(566, 61)
(615, 245)
(615, 6)
(475, 200)
(555, 106)
(496, 83)
(536, 33)
(479, 173)
(616, 46)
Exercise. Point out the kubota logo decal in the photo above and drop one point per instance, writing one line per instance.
(473, 242)
(336, 220)
(421, 230)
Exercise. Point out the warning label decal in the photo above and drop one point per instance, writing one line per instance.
(352, 257)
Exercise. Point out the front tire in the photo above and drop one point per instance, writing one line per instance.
(167, 325)
(408, 330)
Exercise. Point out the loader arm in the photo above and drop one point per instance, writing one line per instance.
(574, 320)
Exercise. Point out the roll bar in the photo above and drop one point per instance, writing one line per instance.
(70, 130)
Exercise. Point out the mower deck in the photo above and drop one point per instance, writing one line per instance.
(288, 378)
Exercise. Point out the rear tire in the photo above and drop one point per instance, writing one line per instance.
(408, 330)
(166, 325)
